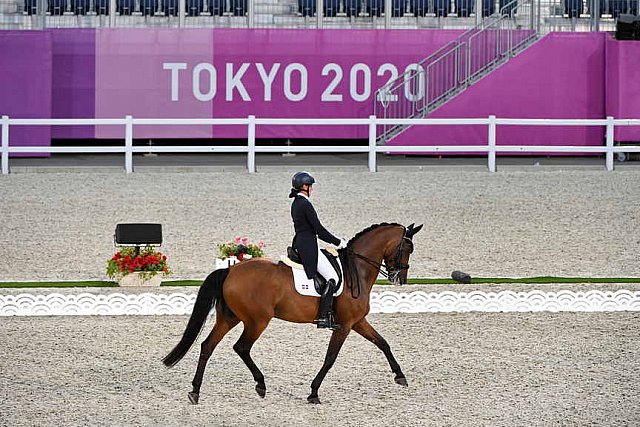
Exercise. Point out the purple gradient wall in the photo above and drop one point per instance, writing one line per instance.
(25, 83)
(163, 73)
(73, 80)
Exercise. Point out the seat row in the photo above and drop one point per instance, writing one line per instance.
(147, 7)
(331, 8)
(576, 8)
(463, 8)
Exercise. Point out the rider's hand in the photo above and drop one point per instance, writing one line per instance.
(343, 244)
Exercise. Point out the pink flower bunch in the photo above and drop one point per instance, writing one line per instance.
(241, 246)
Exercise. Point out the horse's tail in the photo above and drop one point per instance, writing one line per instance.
(209, 295)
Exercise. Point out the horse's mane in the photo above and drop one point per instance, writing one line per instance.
(370, 228)
(347, 258)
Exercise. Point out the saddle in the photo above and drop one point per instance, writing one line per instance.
(293, 255)
(319, 282)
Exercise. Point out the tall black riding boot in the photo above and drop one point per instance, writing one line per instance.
(326, 319)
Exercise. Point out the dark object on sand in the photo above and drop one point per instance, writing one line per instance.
(461, 277)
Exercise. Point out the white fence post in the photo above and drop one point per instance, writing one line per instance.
(492, 143)
(251, 155)
(128, 144)
(5, 145)
(609, 157)
(372, 144)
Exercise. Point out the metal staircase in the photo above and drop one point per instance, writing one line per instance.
(450, 70)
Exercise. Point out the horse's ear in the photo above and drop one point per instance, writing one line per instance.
(411, 226)
(412, 231)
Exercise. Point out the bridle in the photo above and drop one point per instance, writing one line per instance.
(392, 272)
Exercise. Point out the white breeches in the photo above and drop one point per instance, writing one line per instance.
(325, 268)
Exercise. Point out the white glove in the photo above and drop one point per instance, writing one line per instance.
(343, 243)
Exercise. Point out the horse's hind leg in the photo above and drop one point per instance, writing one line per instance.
(222, 325)
(366, 330)
(252, 331)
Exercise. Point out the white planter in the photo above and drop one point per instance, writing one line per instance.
(135, 279)
(228, 262)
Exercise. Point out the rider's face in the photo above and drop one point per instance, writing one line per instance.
(309, 188)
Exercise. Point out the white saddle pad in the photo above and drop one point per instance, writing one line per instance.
(303, 285)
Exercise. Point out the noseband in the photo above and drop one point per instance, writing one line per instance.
(394, 271)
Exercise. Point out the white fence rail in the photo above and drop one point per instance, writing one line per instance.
(491, 149)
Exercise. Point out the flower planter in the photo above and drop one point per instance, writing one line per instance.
(142, 262)
(135, 279)
(229, 261)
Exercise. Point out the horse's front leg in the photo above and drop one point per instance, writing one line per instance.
(335, 344)
(366, 330)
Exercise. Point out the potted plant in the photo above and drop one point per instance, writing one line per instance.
(133, 266)
(238, 249)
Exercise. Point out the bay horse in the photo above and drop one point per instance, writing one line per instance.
(257, 290)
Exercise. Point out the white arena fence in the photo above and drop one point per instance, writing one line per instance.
(151, 304)
(491, 149)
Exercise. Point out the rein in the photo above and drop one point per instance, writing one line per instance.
(371, 262)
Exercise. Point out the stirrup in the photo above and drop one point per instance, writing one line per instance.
(327, 323)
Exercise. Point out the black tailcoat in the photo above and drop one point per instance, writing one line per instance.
(308, 228)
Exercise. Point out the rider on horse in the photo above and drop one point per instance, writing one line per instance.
(308, 228)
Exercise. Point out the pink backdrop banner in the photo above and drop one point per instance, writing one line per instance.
(233, 73)
(290, 73)
(623, 86)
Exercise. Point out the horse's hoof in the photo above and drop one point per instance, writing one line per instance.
(402, 381)
(261, 390)
(313, 399)
(193, 398)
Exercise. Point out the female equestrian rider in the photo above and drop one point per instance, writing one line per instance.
(308, 228)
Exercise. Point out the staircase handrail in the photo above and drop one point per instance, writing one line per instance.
(448, 47)
(385, 94)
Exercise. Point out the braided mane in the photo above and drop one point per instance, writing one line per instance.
(347, 258)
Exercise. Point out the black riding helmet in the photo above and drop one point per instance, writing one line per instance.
(300, 179)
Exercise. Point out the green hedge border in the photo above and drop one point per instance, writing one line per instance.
(436, 281)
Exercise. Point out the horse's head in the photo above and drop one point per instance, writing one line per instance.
(380, 245)
(396, 258)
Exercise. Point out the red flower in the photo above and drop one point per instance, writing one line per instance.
(240, 256)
